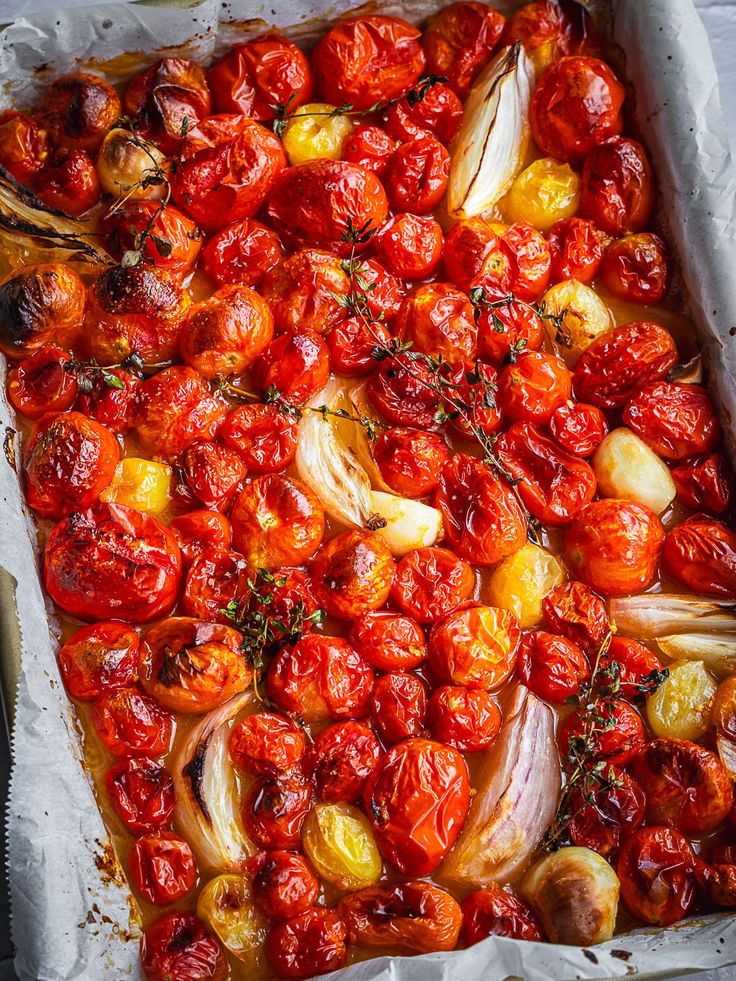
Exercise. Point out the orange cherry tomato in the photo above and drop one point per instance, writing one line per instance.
(656, 869)
(532, 387)
(369, 146)
(576, 250)
(263, 437)
(618, 186)
(637, 665)
(283, 885)
(78, 110)
(438, 320)
(475, 646)
(162, 868)
(24, 145)
(212, 473)
(552, 667)
(178, 945)
(70, 183)
(341, 760)
(275, 807)
(410, 460)
(99, 658)
(700, 553)
(164, 96)
(175, 410)
(266, 743)
(429, 582)
(606, 817)
(416, 800)
(574, 610)
(578, 428)
(254, 77)
(496, 912)
(675, 420)
(511, 326)
(417, 174)
(314, 942)
(704, 484)
(466, 718)
(302, 292)
(635, 269)
(142, 794)
(398, 706)
(437, 114)
(42, 305)
(458, 41)
(217, 577)
(412, 917)
(112, 561)
(297, 366)
(352, 574)
(389, 641)
(410, 245)
(130, 723)
(43, 382)
(174, 241)
(197, 531)
(243, 252)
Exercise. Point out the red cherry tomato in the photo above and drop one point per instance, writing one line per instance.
(99, 658)
(352, 574)
(705, 484)
(112, 561)
(351, 345)
(24, 145)
(266, 743)
(467, 719)
(367, 58)
(574, 610)
(314, 942)
(530, 389)
(129, 723)
(410, 245)
(635, 268)
(700, 553)
(163, 96)
(78, 110)
(176, 409)
(384, 292)
(212, 473)
(429, 582)
(297, 366)
(70, 184)
(578, 427)
(608, 815)
(289, 596)
(389, 641)
(417, 174)
(475, 387)
(636, 663)
(341, 760)
(512, 326)
(475, 646)
(108, 404)
(282, 883)
(275, 807)
(675, 420)
(142, 794)
(410, 460)
(216, 578)
(178, 945)
(263, 437)
(495, 912)
(43, 382)
(617, 741)
(241, 253)
(656, 869)
(531, 263)
(162, 868)
(398, 706)
(437, 114)
(459, 40)
(472, 248)
(301, 292)
(551, 28)
(183, 238)
(552, 667)
(254, 77)
(369, 146)
(404, 392)
(576, 250)
(618, 186)
(44, 304)
(198, 531)
(416, 800)
(575, 106)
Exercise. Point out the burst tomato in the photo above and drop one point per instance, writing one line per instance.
(369, 146)
(263, 437)
(275, 807)
(552, 667)
(24, 145)
(130, 723)
(475, 387)
(474, 646)
(635, 268)
(162, 868)
(99, 658)
(242, 252)
(531, 263)
(212, 474)
(352, 574)
(472, 248)
(304, 290)
(216, 578)
(578, 427)
(389, 641)
(266, 743)
(69, 183)
(398, 706)
(530, 389)
(410, 460)
(467, 719)
(576, 250)
(656, 869)
(618, 186)
(438, 114)
(142, 794)
(199, 531)
(635, 664)
(700, 553)
(675, 420)
(429, 582)
(289, 600)
(551, 28)
(283, 884)
(604, 819)
(416, 176)
(412, 917)
(512, 326)
(175, 410)
(297, 366)
(43, 382)
(410, 245)
(42, 304)
(108, 403)
(314, 942)
(341, 760)
(178, 945)
(574, 610)
(168, 99)
(351, 345)
(495, 912)
(404, 391)
(78, 110)
(705, 484)
(458, 41)
(181, 238)
(438, 320)
(618, 739)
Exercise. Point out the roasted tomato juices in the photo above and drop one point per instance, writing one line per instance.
(343, 499)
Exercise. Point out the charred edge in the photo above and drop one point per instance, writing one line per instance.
(194, 771)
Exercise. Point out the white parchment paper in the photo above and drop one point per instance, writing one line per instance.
(70, 920)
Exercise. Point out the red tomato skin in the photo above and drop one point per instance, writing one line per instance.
(438, 114)
(610, 815)
(618, 186)
(197, 531)
(296, 365)
(43, 304)
(576, 250)
(142, 794)
(282, 883)
(24, 145)
(112, 561)
(178, 945)
(266, 743)
(513, 325)
(369, 146)
(78, 110)
(700, 553)
(171, 224)
(98, 658)
(459, 40)
(162, 96)
(430, 582)
(216, 578)
(112, 407)
(264, 438)
(552, 667)
(476, 387)
(352, 574)
(531, 263)
(706, 484)
(41, 383)
(467, 719)
(314, 942)
(635, 662)
(389, 641)
(635, 268)
(576, 612)
(410, 460)
(656, 869)
(404, 392)
(341, 759)
(496, 912)
(618, 743)
(162, 867)
(399, 706)
(176, 409)
(417, 175)
(472, 246)
(578, 427)
(70, 184)
(212, 474)
(275, 807)
(130, 723)
(533, 387)
(351, 345)
(241, 253)
(410, 245)
(675, 420)
(552, 28)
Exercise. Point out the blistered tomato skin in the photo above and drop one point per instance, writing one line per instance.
(410, 460)
(78, 110)
(656, 869)
(112, 561)
(211, 474)
(618, 743)
(283, 884)
(576, 612)
(130, 723)
(417, 799)
(618, 186)
(398, 706)
(294, 365)
(178, 945)
(352, 574)
(511, 326)
(552, 667)
(42, 383)
(705, 484)
(183, 238)
(275, 807)
(314, 942)
(341, 760)
(576, 249)
(416, 176)
(430, 582)
(518, 262)
(301, 292)
(638, 666)
(389, 641)
(403, 392)
(531, 389)
(112, 407)
(199, 531)
(459, 40)
(216, 578)
(142, 794)
(70, 184)
(475, 646)
(579, 428)
(635, 268)
(675, 420)
(466, 718)
(351, 345)
(439, 115)
(410, 245)
(700, 553)
(243, 252)
(176, 409)
(266, 743)
(164, 95)
(98, 658)
(438, 320)
(162, 868)
(551, 28)
(24, 145)
(41, 305)
(264, 438)
(369, 146)
(495, 912)
(609, 816)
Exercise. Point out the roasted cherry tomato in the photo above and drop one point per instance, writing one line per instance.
(254, 77)
(482, 518)
(700, 553)
(142, 794)
(474, 646)
(551, 28)
(398, 706)
(496, 912)
(78, 110)
(656, 869)
(368, 58)
(634, 268)
(178, 945)
(511, 326)
(384, 292)
(162, 868)
(341, 760)
(314, 942)
(320, 678)
(531, 263)
(551, 666)
(351, 345)
(459, 39)
(675, 420)
(68, 462)
(575, 106)
(389, 641)
(417, 174)
(24, 145)
(430, 582)
(437, 114)
(225, 170)
(465, 718)
(410, 245)
(99, 658)
(69, 183)
(302, 292)
(618, 363)
(297, 366)
(130, 723)
(181, 237)
(241, 253)
(287, 596)
(266, 743)
(283, 884)
(705, 484)
(176, 409)
(369, 146)
(473, 248)
(112, 561)
(617, 742)
(618, 186)
(42, 304)
(199, 531)
(410, 917)
(263, 437)
(578, 427)
(530, 389)
(212, 473)
(43, 382)
(605, 818)
(352, 574)
(437, 319)
(576, 249)
(275, 807)
(168, 99)
(110, 398)
(574, 610)
(216, 578)
(637, 666)
(404, 392)
(410, 460)
(417, 799)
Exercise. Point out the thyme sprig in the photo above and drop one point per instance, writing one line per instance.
(481, 302)
(90, 373)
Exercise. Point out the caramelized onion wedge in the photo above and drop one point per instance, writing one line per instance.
(717, 651)
(490, 147)
(515, 801)
(658, 614)
(409, 524)
(207, 801)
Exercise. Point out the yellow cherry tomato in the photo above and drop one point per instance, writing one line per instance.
(681, 707)
(141, 484)
(546, 192)
(584, 318)
(226, 906)
(313, 132)
(520, 582)
(339, 843)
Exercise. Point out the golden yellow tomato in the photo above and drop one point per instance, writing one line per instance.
(584, 317)
(141, 484)
(339, 843)
(546, 192)
(226, 906)
(313, 132)
(681, 707)
(520, 582)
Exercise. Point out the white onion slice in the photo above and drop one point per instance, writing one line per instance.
(409, 524)
(657, 614)
(716, 651)
(727, 753)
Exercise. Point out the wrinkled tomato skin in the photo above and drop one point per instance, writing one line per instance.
(472, 247)
(367, 58)
(513, 325)
(313, 203)
(112, 407)
(296, 365)
(162, 868)
(613, 546)
(717, 883)
(130, 723)
(290, 589)
(352, 574)
(170, 224)
(212, 473)
(389, 641)
(410, 245)
(142, 794)
(192, 666)
(578, 428)
(494, 912)
(253, 77)
(706, 484)
(656, 870)
(618, 186)
(618, 743)
(553, 485)
(576, 250)
(112, 561)
(575, 611)
(314, 942)
(243, 253)
(475, 646)
(404, 393)
(635, 662)
(410, 460)
(198, 531)
(68, 462)
(676, 420)
(262, 436)
(467, 719)
(610, 815)
(70, 184)
(42, 304)
(98, 658)
(78, 110)
(476, 386)
(164, 95)
(266, 743)
(575, 106)
(301, 292)
(635, 268)
(351, 344)
(417, 175)
(384, 291)
(276, 521)
(216, 578)
(398, 706)
(686, 785)
(429, 582)
(459, 40)
(416, 800)
(551, 667)
(282, 883)
(225, 169)
(618, 363)
(482, 519)
(24, 145)
(550, 28)
(175, 409)
(412, 917)
(369, 146)
(341, 759)
(41, 383)
(438, 115)
(178, 945)
(531, 389)
(275, 807)
(319, 679)
(700, 553)
(531, 263)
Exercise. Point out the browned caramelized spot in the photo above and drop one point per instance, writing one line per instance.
(39, 299)
(137, 290)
